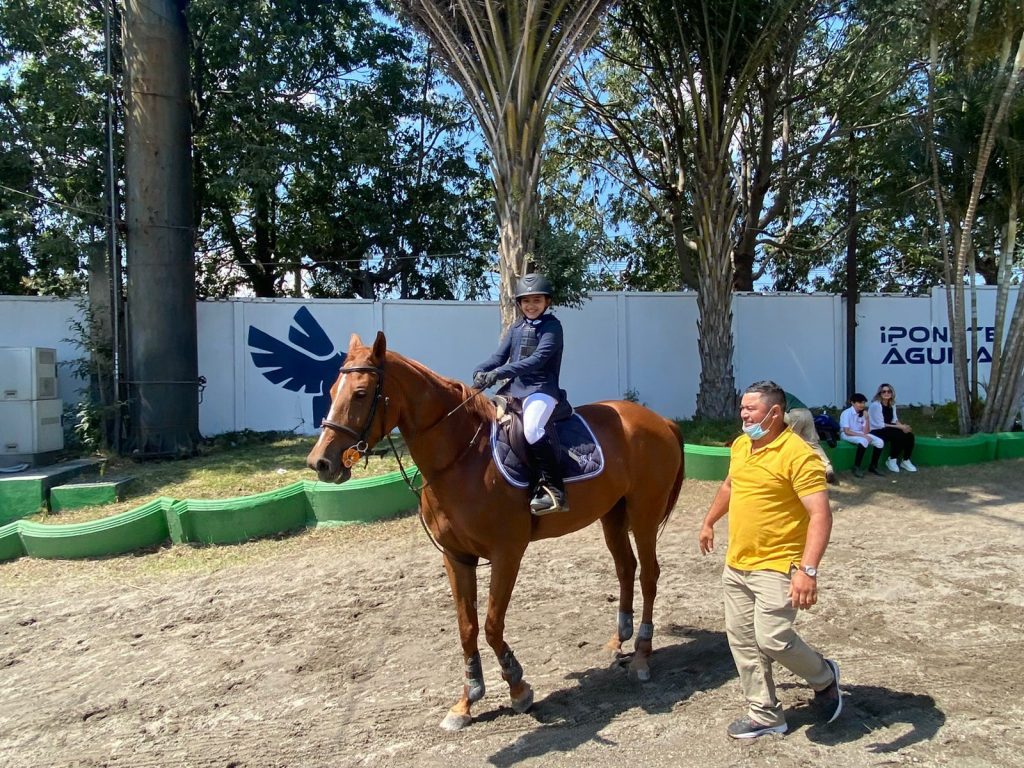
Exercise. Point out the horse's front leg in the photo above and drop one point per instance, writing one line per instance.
(504, 571)
(462, 578)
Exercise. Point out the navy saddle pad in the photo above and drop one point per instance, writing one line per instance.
(580, 453)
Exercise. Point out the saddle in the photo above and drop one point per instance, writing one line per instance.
(579, 452)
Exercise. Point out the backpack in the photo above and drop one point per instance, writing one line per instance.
(828, 429)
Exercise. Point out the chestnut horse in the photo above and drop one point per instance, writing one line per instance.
(472, 512)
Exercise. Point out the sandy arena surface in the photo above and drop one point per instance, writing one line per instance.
(339, 648)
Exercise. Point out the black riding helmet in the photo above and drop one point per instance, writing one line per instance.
(533, 284)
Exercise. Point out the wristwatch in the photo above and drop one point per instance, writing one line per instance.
(810, 570)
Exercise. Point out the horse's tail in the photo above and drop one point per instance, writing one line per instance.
(678, 484)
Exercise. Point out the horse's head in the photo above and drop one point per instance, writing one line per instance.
(358, 412)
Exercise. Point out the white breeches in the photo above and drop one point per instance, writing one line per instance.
(537, 409)
(873, 440)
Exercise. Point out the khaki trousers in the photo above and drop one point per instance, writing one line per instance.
(801, 421)
(759, 623)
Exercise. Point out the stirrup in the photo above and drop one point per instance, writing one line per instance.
(545, 502)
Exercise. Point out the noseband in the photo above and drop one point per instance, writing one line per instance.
(360, 437)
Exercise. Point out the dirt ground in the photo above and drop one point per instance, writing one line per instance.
(339, 648)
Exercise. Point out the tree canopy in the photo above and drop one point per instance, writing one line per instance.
(699, 145)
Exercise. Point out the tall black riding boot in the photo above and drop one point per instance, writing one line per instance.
(550, 495)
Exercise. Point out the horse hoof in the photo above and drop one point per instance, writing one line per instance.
(524, 702)
(455, 722)
(640, 669)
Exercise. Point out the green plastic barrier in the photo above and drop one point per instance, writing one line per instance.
(308, 503)
(230, 521)
(78, 495)
(11, 547)
(362, 500)
(20, 498)
(954, 451)
(1009, 445)
(137, 528)
(706, 462)
(218, 521)
(842, 455)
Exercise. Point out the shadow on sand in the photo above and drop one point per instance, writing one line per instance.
(869, 710)
(699, 663)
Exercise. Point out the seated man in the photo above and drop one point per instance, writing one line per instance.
(857, 430)
(798, 417)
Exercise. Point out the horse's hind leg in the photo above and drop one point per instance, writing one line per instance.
(504, 570)
(646, 537)
(616, 537)
(462, 578)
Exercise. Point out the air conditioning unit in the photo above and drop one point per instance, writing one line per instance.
(28, 373)
(30, 427)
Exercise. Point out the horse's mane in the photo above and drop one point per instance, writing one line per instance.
(481, 405)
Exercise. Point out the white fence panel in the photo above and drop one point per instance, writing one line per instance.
(269, 363)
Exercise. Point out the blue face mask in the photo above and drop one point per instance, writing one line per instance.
(757, 431)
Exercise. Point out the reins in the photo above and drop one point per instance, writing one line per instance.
(360, 448)
(471, 560)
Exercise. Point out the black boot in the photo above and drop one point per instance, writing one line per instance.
(550, 494)
(876, 454)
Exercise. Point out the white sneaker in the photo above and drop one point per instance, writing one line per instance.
(891, 465)
(908, 465)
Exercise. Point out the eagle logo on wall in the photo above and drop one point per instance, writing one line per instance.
(309, 363)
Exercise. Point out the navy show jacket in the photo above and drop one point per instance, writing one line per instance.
(530, 356)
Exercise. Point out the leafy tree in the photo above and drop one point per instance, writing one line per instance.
(323, 149)
(688, 72)
(974, 97)
(51, 144)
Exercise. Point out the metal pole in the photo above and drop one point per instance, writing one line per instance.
(852, 290)
(113, 253)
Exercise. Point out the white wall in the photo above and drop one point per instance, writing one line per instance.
(28, 321)
(615, 342)
(906, 342)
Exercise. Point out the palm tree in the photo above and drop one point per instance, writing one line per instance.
(509, 59)
(992, 63)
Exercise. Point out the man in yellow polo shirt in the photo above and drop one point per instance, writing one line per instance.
(779, 526)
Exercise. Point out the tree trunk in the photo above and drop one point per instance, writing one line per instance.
(714, 211)
(162, 343)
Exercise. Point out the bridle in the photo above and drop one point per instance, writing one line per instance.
(360, 446)
(353, 453)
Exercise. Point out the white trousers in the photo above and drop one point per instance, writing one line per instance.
(537, 409)
(873, 440)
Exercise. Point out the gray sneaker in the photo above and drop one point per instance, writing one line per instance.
(745, 728)
(829, 701)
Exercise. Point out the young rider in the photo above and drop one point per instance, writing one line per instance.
(530, 357)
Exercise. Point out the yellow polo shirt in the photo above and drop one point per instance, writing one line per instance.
(767, 521)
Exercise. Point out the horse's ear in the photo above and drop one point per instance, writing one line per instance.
(354, 342)
(380, 347)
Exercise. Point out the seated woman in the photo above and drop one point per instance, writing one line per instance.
(855, 429)
(800, 419)
(885, 424)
